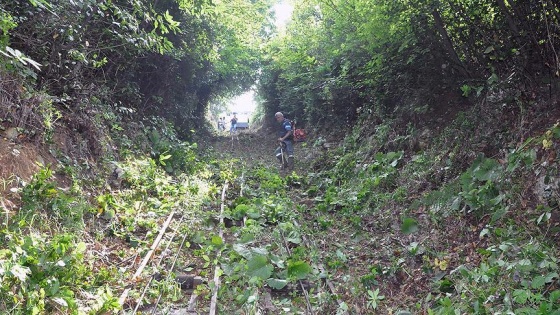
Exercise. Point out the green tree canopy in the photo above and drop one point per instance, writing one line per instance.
(340, 58)
(167, 57)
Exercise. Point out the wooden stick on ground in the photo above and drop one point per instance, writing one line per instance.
(172, 266)
(214, 300)
(124, 295)
(139, 300)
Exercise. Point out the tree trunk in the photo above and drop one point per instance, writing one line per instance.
(511, 23)
(448, 44)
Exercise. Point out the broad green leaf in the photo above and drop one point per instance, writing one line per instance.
(293, 237)
(260, 251)
(259, 267)
(520, 296)
(253, 213)
(538, 282)
(551, 276)
(298, 270)
(216, 240)
(242, 298)
(555, 295)
(247, 238)
(277, 260)
(81, 247)
(229, 269)
(487, 169)
(241, 210)
(242, 250)
(276, 284)
(499, 213)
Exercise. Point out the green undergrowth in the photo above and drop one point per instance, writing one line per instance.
(265, 253)
(393, 230)
(74, 250)
(436, 202)
(43, 258)
(469, 237)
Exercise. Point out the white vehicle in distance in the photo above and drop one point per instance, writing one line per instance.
(242, 120)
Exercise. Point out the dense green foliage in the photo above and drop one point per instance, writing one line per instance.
(49, 263)
(168, 58)
(441, 196)
(339, 59)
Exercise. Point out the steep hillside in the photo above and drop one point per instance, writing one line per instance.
(459, 215)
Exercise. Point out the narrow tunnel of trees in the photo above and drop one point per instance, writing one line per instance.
(428, 183)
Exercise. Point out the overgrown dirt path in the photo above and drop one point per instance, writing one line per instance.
(284, 238)
(250, 147)
(344, 233)
(360, 262)
(338, 249)
(337, 257)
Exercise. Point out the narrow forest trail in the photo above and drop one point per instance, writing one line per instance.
(286, 235)
(351, 256)
(297, 233)
(250, 147)
(435, 188)
(205, 260)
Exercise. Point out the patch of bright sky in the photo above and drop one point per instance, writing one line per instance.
(283, 11)
(245, 102)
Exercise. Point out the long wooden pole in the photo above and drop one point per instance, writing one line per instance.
(148, 256)
(214, 300)
(139, 300)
